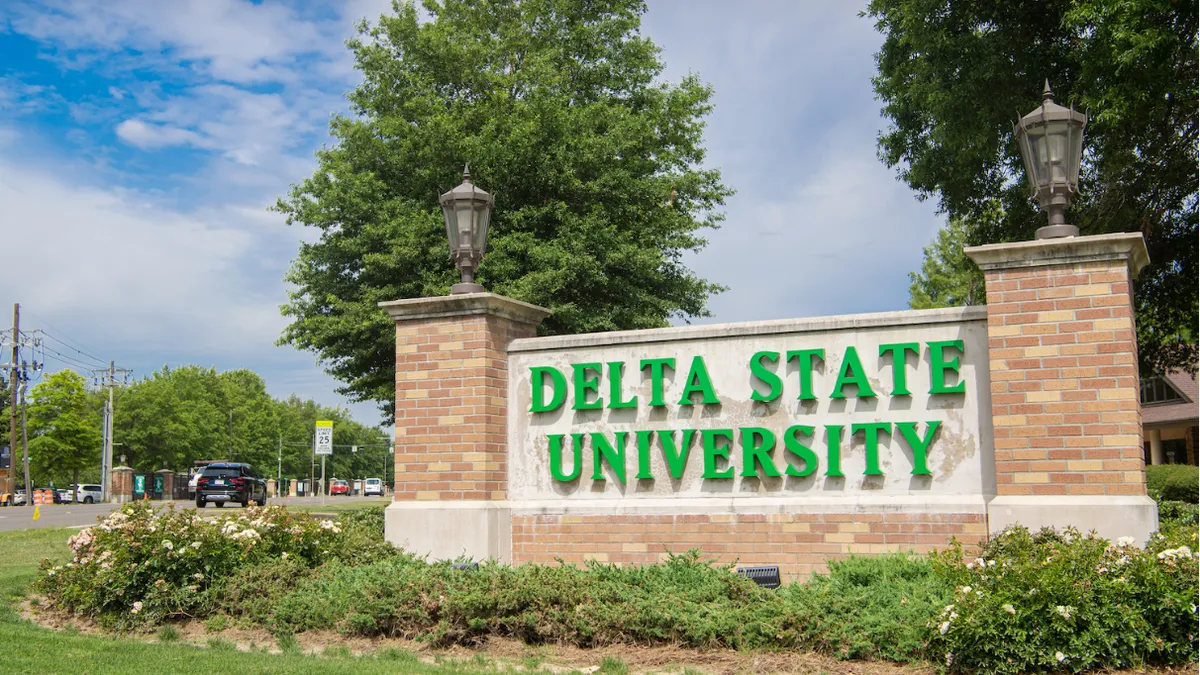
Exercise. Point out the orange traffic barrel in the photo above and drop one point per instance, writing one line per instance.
(37, 497)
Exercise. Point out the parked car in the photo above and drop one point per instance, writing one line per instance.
(18, 498)
(88, 494)
(230, 482)
(373, 486)
(63, 496)
(339, 487)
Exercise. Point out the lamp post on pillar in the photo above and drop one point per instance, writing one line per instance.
(1051, 140)
(467, 210)
(450, 455)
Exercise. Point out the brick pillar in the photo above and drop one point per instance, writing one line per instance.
(451, 423)
(122, 484)
(168, 477)
(1064, 378)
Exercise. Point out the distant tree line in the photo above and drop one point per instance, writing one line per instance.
(176, 416)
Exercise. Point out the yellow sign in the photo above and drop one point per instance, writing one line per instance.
(323, 444)
(37, 512)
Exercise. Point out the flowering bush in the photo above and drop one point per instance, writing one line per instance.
(142, 564)
(1050, 601)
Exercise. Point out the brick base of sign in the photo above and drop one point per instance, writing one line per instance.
(799, 543)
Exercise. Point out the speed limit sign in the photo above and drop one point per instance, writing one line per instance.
(324, 438)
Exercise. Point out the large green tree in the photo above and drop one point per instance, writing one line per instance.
(954, 76)
(64, 432)
(596, 169)
(176, 416)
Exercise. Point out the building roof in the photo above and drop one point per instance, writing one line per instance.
(1176, 412)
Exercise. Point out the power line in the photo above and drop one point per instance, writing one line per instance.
(70, 361)
(73, 345)
(98, 361)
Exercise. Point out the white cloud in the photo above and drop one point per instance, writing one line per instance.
(818, 224)
(153, 136)
(144, 284)
(233, 40)
(146, 273)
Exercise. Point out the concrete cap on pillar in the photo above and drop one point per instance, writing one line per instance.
(465, 304)
(1129, 246)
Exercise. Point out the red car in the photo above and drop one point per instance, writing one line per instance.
(339, 487)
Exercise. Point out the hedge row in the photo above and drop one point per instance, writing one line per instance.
(1029, 602)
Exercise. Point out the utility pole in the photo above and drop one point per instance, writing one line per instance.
(109, 378)
(279, 477)
(12, 413)
(231, 456)
(25, 447)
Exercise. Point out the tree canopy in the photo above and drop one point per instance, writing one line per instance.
(954, 77)
(554, 104)
(64, 429)
(948, 278)
(176, 416)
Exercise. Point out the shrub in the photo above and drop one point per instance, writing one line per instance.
(684, 601)
(1049, 601)
(870, 607)
(1176, 519)
(1174, 482)
(1028, 602)
(142, 565)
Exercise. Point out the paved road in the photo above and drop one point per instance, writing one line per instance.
(82, 515)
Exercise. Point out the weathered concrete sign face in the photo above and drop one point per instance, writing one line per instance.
(877, 406)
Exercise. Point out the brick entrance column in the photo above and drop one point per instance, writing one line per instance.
(1064, 377)
(451, 420)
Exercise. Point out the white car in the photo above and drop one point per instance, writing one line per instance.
(88, 494)
(373, 486)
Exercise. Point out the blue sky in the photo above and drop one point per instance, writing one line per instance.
(141, 142)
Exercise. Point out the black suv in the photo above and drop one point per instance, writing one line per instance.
(230, 482)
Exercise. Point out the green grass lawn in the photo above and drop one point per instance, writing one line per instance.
(27, 648)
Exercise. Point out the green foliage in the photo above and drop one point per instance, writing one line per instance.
(1174, 482)
(64, 434)
(141, 565)
(1049, 601)
(611, 665)
(871, 607)
(1029, 602)
(287, 643)
(168, 634)
(684, 601)
(948, 278)
(596, 171)
(178, 415)
(953, 78)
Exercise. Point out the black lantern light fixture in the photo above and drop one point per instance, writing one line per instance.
(467, 210)
(1051, 139)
